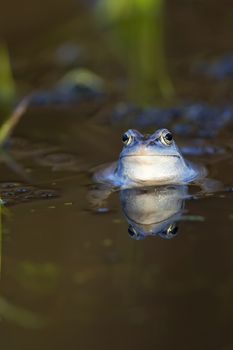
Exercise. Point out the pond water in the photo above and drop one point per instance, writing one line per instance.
(72, 275)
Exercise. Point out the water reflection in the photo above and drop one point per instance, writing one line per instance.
(20, 316)
(153, 210)
(149, 211)
(40, 278)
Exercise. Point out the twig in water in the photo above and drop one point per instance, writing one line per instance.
(13, 120)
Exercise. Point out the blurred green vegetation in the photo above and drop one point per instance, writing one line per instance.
(9, 117)
(7, 85)
(136, 29)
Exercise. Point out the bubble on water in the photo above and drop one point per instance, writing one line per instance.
(103, 210)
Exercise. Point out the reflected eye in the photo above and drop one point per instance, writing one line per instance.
(166, 138)
(172, 230)
(127, 139)
(132, 232)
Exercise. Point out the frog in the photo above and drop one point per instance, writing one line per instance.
(153, 180)
(149, 160)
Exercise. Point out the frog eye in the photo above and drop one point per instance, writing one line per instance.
(166, 138)
(127, 139)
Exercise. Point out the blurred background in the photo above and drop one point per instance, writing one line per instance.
(82, 72)
(150, 51)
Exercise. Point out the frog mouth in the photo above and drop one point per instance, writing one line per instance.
(150, 155)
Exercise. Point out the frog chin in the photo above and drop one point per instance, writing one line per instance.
(151, 168)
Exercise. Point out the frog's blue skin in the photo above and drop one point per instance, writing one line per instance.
(148, 161)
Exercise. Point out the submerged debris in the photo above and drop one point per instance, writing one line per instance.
(220, 69)
(15, 193)
(66, 96)
(198, 119)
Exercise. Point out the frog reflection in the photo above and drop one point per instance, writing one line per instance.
(145, 161)
(153, 211)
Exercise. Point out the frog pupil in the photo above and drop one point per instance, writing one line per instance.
(168, 136)
(125, 137)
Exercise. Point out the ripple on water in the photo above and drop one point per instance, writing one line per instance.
(21, 147)
(44, 154)
(61, 161)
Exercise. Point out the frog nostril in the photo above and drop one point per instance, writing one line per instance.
(152, 143)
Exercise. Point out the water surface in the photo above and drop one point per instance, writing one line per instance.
(71, 276)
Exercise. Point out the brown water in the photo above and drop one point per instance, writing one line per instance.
(72, 277)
